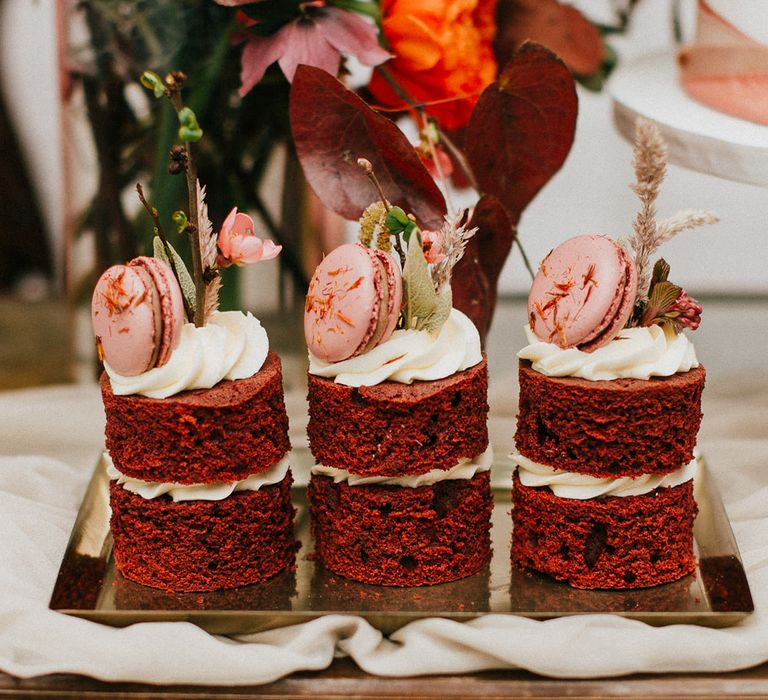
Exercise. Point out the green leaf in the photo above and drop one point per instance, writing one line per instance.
(189, 129)
(662, 297)
(185, 279)
(152, 81)
(425, 309)
(442, 310)
(396, 219)
(179, 218)
(660, 272)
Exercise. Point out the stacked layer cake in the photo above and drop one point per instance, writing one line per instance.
(200, 481)
(607, 424)
(400, 492)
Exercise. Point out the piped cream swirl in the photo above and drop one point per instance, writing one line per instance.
(231, 345)
(217, 491)
(408, 356)
(465, 469)
(583, 486)
(636, 353)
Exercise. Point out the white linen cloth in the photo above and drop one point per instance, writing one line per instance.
(40, 495)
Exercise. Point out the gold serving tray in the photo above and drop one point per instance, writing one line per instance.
(88, 586)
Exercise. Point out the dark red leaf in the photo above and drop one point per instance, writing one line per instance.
(476, 275)
(561, 28)
(522, 128)
(332, 128)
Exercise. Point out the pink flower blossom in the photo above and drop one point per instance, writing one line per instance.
(317, 38)
(240, 245)
(432, 244)
(689, 311)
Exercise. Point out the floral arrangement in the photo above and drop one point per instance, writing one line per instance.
(659, 301)
(427, 257)
(453, 66)
(236, 242)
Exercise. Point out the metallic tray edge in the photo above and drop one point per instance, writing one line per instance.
(717, 595)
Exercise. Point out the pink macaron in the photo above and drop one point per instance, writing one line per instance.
(583, 293)
(137, 312)
(353, 302)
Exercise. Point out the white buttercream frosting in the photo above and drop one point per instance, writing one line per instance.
(231, 345)
(635, 353)
(408, 356)
(465, 469)
(197, 492)
(583, 486)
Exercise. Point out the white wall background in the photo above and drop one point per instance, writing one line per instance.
(589, 195)
(29, 81)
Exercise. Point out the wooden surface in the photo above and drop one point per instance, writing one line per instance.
(345, 680)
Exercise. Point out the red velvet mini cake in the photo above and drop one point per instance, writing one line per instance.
(200, 435)
(623, 427)
(387, 427)
(610, 405)
(196, 429)
(200, 495)
(399, 536)
(400, 492)
(203, 545)
(607, 542)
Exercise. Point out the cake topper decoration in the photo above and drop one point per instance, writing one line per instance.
(583, 293)
(588, 288)
(137, 309)
(359, 294)
(137, 312)
(658, 300)
(427, 257)
(237, 243)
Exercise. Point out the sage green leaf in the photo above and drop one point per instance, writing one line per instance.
(185, 279)
(442, 310)
(424, 308)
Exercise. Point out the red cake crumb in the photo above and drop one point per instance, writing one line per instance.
(226, 433)
(621, 427)
(203, 545)
(608, 542)
(394, 429)
(399, 536)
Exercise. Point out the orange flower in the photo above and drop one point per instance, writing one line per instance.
(442, 50)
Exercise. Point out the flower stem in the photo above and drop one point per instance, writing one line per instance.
(166, 246)
(439, 168)
(174, 94)
(460, 159)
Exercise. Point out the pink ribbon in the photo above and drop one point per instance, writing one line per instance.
(725, 69)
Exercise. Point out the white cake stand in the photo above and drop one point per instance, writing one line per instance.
(698, 137)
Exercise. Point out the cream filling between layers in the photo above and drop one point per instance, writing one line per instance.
(216, 491)
(635, 353)
(231, 345)
(583, 486)
(465, 469)
(408, 356)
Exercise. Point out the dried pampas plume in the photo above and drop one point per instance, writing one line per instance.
(650, 163)
(454, 237)
(207, 240)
